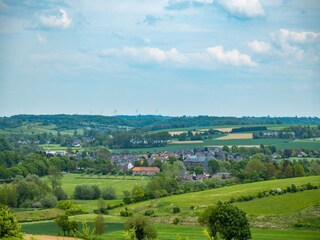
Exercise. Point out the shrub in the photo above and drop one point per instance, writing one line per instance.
(176, 221)
(108, 193)
(175, 210)
(149, 213)
(142, 228)
(126, 213)
(49, 201)
(86, 192)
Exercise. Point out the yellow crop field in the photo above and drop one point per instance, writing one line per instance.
(226, 130)
(232, 136)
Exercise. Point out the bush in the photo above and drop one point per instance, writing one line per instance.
(71, 208)
(60, 194)
(9, 227)
(142, 228)
(149, 213)
(101, 211)
(108, 193)
(126, 213)
(49, 201)
(176, 221)
(175, 210)
(86, 192)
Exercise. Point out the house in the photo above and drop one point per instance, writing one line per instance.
(194, 160)
(145, 170)
(222, 175)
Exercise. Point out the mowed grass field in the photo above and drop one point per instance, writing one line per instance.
(115, 231)
(119, 183)
(202, 199)
(36, 128)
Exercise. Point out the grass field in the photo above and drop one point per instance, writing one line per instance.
(203, 199)
(36, 128)
(38, 214)
(119, 183)
(280, 210)
(115, 231)
(278, 143)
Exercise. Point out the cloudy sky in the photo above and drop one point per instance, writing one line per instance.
(169, 57)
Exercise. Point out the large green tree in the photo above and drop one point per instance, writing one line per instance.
(226, 220)
(9, 227)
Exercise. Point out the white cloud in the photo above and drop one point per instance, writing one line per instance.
(53, 21)
(285, 35)
(293, 43)
(233, 57)
(146, 54)
(243, 8)
(259, 46)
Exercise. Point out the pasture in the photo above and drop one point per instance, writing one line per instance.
(202, 199)
(279, 212)
(278, 143)
(119, 183)
(37, 128)
(115, 231)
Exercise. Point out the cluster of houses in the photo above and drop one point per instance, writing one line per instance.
(190, 158)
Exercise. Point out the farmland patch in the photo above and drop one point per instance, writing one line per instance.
(232, 136)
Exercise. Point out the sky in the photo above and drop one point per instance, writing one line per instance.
(168, 57)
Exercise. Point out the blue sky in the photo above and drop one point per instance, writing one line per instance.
(169, 57)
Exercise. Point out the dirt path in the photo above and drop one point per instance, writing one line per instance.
(48, 237)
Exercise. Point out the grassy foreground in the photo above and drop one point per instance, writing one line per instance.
(115, 231)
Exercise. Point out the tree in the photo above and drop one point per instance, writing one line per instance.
(142, 227)
(63, 223)
(137, 193)
(198, 170)
(99, 224)
(9, 227)
(255, 169)
(298, 170)
(213, 166)
(227, 220)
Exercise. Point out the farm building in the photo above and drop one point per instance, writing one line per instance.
(145, 170)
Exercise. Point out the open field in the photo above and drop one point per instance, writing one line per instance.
(231, 136)
(279, 210)
(186, 142)
(119, 183)
(278, 143)
(57, 147)
(37, 214)
(36, 128)
(203, 199)
(115, 231)
(226, 130)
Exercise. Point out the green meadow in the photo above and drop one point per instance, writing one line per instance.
(280, 212)
(119, 183)
(115, 231)
(202, 199)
